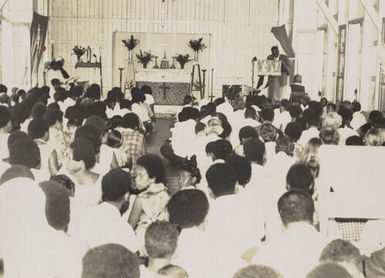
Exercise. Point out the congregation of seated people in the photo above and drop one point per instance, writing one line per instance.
(233, 193)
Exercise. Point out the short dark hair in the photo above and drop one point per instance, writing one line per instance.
(295, 111)
(242, 168)
(285, 104)
(16, 171)
(222, 149)
(93, 91)
(356, 106)
(250, 113)
(91, 134)
(300, 177)
(130, 120)
(154, 166)
(221, 179)
(247, 132)
(137, 95)
(254, 150)
(354, 140)
(329, 270)
(257, 271)
(24, 151)
(97, 122)
(294, 131)
(115, 184)
(188, 113)
(66, 182)
(110, 260)
(199, 126)
(57, 205)
(83, 151)
(161, 239)
(37, 128)
(346, 115)
(188, 208)
(296, 206)
(5, 116)
(15, 135)
(38, 110)
(52, 116)
(267, 114)
(339, 251)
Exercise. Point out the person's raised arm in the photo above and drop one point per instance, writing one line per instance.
(136, 212)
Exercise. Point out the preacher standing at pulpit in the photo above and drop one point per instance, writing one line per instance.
(277, 85)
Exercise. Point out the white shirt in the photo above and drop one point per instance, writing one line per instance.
(358, 120)
(4, 152)
(279, 165)
(282, 119)
(295, 252)
(345, 133)
(311, 132)
(103, 224)
(182, 135)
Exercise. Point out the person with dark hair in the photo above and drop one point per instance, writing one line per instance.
(57, 205)
(188, 173)
(346, 129)
(329, 269)
(311, 121)
(344, 253)
(221, 180)
(354, 140)
(220, 151)
(104, 223)
(81, 160)
(161, 241)
(257, 271)
(54, 119)
(172, 271)
(66, 182)
(188, 210)
(294, 131)
(150, 203)
(110, 260)
(300, 241)
(246, 133)
(38, 130)
(254, 150)
(139, 108)
(300, 177)
(242, 168)
(24, 151)
(93, 92)
(134, 142)
(5, 129)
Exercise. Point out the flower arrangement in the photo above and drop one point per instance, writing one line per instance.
(197, 46)
(131, 43)
(144, 57)
(79, 51)
(182, 59)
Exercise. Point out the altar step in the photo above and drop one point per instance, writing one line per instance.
(166, 111)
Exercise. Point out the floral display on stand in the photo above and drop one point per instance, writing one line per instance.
(197, 46)
(131, 43)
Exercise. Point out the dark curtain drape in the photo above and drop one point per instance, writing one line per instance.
(280, 34)
(39, 28)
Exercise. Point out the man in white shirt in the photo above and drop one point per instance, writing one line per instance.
(188, 210)
(358, 118)
(346, 130)
(297, 250)
(103, 223)
(233, 222)
(311, 131)
(283, 118)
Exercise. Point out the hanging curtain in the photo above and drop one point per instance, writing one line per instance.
(280, 34)
(39, 29)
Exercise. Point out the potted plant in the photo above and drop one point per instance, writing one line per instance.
(79, 51)
(144, 58)
(130, 43)
(197, 46)
(182, 59)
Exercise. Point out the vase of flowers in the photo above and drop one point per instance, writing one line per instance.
(79, 51)
(144, 58)
(130, 43)
(197, 46)
(182, 59)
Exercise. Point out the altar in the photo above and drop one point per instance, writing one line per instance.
(169, 86)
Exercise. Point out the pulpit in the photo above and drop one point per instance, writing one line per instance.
(169, 86)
